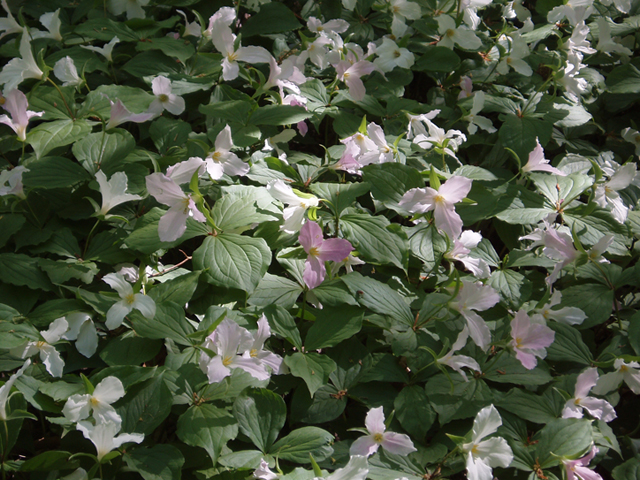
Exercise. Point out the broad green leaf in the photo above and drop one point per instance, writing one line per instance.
(283, 324)
(297, 446)
(629, 470)
(177, 48)
(129, 375)
(102, 149)
(437, 59)
(168, 322)
(278, 115)
(563, 437)
(634, 332)
(208, 427)
(102, 28)
(624, 79)
(129, 350)
(54, 172)
(334, 293)
(315, 91)
(10, 223)
(47, 312)
(145, 406)
(591, 228)
(242, 206)
(47, 461)
(426, 243)
(274, 290)
(511, 285)
(59, 133)
(332, 326)
(272, 18)
(167, 133)
(379, 297)
(559, 190)
(98, 101)
(177, 290)
(384, 367)
(520, 133)
(22, 270)
(527, 405)
(261, 414)
(390, 181)
(594, 299)
(233, 261)
(327, 404)
(508, 369)
(48, 99)
(341, 195)
(568, 345)
(160, 462)
(375, 239)
(462, 400)
(230, 110)
(414, 412)
(150, 63)
(313, 368)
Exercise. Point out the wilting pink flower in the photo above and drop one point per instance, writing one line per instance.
(597, 407)
(475, 296)
(16, 104)
(441, 201)
(320, 251)
(578, 468)
(397, 443)
(462, 248)
(529, 340)
(181, 206)
(627, 372)
(537, 162)
(458, 361)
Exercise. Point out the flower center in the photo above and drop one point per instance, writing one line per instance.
(227, 361)
(163, 98)
(378, 438)
(232, 56)
(40, 344)
(313, 251)
(253, 352)
(216, 157)
(439, 199)
(94, 401)
(450, 32)
(474, 449)
(518, 342)
(623, 368)
(130, 298)
(397, 54)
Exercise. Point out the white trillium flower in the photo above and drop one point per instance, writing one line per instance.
(350, 74)
(263, 472)
(517, 50)
(566, 315)
(108, 391)
(106, 51)
(417, 124)
(190, 28)
(103, 436)
(113, 191)
(402, 10)
(165, 100)
(449, 141)
(132, 7)
(476, 120)
(451, 35)
(597, 407)
(48, 354)
(607, 195)
(538, 163)
(256, 349)
(143, 303)
(356, 469)
(483, 455)
(83, 331)
(11, 182)
(51, 21)
(336, 26)
(16, 104)
(396, 443)
(457, 362)
(391, 56)
(65, 70)
(20, 69)
(628, 373)
(8, 24)
(294, 213)
(223, 160)
(462, 247)
(6, 389)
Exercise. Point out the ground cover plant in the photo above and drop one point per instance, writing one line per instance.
(328, 239)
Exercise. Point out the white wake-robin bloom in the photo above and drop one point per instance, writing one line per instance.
(65, 70)
(11, 182)
(402, 10)
(222, 160)
(483, 455)
(83, 331)
(165, 100)
(356, 469)
(390, 56)
(106, 51)
(103, 436)
(451, 35)
(597, 407)
(449, 141)
(6, 389)
(472, 297)
(49, 356)
(51, 21)
(628, 373)
(517, 49)
(20, 69)
(566, 315)
(396, 443)
(350, 74)
(529, 340)
(113, 191)
(263, 472)
(78, 407)
(418, 124)
(128, 302)
(8, 24)
(607, 195)
(457, 362)
(297, 205)
(476, 120)
(462, 247)
(16, 104)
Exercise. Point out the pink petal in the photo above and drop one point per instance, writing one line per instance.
(455, 189)
(334, 249)
(375, 421)
(447, 219)
(397, 443)
(311, 237)
(364, 446)
(314, 272)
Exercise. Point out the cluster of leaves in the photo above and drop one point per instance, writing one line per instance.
(303, 273)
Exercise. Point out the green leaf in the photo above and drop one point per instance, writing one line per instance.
(634, 332)
(22, 270)
(129, 350)
(315, 91)
(47, 136)
(594, 299)
(561, 190)
(529, 406)
(462, 400)
(313, 368)
(390, 181)
(302, 442)
(278, 114)
(160, 462)
(563, 437)
(437, 59)
(97, 150)
(105, 29)
(241, 206)
(508, 369)
(283, 324)
(177, 48)
(48, 99)
(54, 172)
(145, 406)
(47, 461)
(233, 261)
(629, 470)
(272, 18)
(261, 414)
(414, 412)
(177, 290)
(332, 326)
(274, 290)
(230, 110)
(624, 79)
(511, 285)
(167, 132)
(426, 243)
(568, 345)
(10, 223)
(341, 195)
(129, 375)
(168, 322)
(326, 405)
(520, 133)
(376, 240)
(379, 297)
(334, 293)
(208, 427)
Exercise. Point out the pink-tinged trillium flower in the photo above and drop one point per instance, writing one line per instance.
(106, 51)
(222, 160)
(597, 407)
(48, 354)
(20, 69)
(165, 100)
(181, 206)
(607, 195)
(462, 247)
(103, 436)
(356, 469)
(627, 372)
(579, 468)
(108, 391)
(320, 251)
(230, 342)
(8, 24)
(448, 141)
(143, 303)
(6, 389)
(441, 201)
(263, 472)
(337, 26)
(287, 75)
(11, 182)
(466, 87)
(120, 114)
(182, 172)
(350, 74)
(483, 455)
(475, 296)
(457, 362)
(537, 162)
(16, 104)
(83, 331)
(348, 161)
(558, 246)
(382, 153)
(529, 340)
(132, 7)
(65, 70)
(256, 349)
(113, 191)
(297, 205)
(566, 315)
(396, 443)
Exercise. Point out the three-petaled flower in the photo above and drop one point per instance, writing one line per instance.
(396, 443)
(99, 402)
(16, 104)
(129, 300)
(529, 340)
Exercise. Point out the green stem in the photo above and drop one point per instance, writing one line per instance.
(62, 96)
(86, 244)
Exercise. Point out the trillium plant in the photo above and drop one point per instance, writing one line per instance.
(306, 240)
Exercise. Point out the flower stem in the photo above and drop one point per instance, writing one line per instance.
(62, 96)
